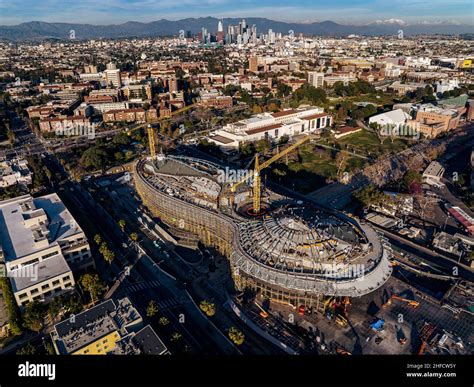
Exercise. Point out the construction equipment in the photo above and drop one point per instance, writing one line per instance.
(402, 339)
(346, 302)
(263, 313)
(257, 173)
(377, 325)
(342, 321)
(342, 351)
(151, 132)
(428, 334)
(412, 303)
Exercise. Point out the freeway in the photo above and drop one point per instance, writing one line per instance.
(427, 255)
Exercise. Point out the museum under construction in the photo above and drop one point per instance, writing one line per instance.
(291, 252)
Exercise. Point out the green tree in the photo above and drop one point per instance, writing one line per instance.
(97, 239)
(122, 223)
(236, 336)
(176, 336)
(208, 308)
(164, 321)
(33, 316)
(134, 236)
(27, 349)
(11, 137)
(14, 317)
(410, 178)
(121, 139)
(151, 309)
(92, 284)
(246, 148)
(263, 145)
(369, 196)
(283, 140)
(109, 256)
(94, 157)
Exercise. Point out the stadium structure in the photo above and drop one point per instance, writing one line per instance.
(292, 252)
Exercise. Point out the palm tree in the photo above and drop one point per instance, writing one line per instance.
(97, 239)
(208, 308)
(152, 309)
(236, 336)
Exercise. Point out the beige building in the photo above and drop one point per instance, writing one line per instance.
(316, 79)
(40, 246)
(434, 120)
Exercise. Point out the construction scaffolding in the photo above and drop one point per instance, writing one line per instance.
(285, 256)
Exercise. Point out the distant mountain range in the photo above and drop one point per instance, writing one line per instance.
(41, 30)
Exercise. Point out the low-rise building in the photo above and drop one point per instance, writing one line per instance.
(14, 172)
(40, 245)
(130, 115)
(433, 174)
(108, 328)
(392, 119)
(447, 242)
(125, 115)
(344, 131)
(434, 120)
(272, 126)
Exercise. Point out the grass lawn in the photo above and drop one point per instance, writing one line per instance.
(316, 164)
(367, 144)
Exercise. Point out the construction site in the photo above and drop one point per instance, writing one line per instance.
(286, 250)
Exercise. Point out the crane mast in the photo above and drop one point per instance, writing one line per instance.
(256, 186)
(151, 141)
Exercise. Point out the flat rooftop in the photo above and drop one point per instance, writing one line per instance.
(94, 323)
(41, 271)
(17, 239)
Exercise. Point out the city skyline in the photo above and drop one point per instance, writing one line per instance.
(303, 11)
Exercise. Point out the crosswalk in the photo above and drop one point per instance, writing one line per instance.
(139, 286)
(169, 303)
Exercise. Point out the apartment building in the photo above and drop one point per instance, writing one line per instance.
(112, 76)
(142, 92)
(59, 124)
(40, 246)
(213, 98)
(316, 79)
(112, 327)
(14, 172)
(130, 115)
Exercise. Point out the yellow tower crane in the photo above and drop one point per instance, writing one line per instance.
(151, 132)
(257, 173)
(151, 141)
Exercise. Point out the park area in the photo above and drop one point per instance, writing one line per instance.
(321, 162)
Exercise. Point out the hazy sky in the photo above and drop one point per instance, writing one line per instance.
(344, 11)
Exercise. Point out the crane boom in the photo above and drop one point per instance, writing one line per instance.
(257, 175)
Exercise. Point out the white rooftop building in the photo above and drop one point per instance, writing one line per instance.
(433, 174)
(40, 244)
(14, 172)
(392, 119)
(272, 126)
